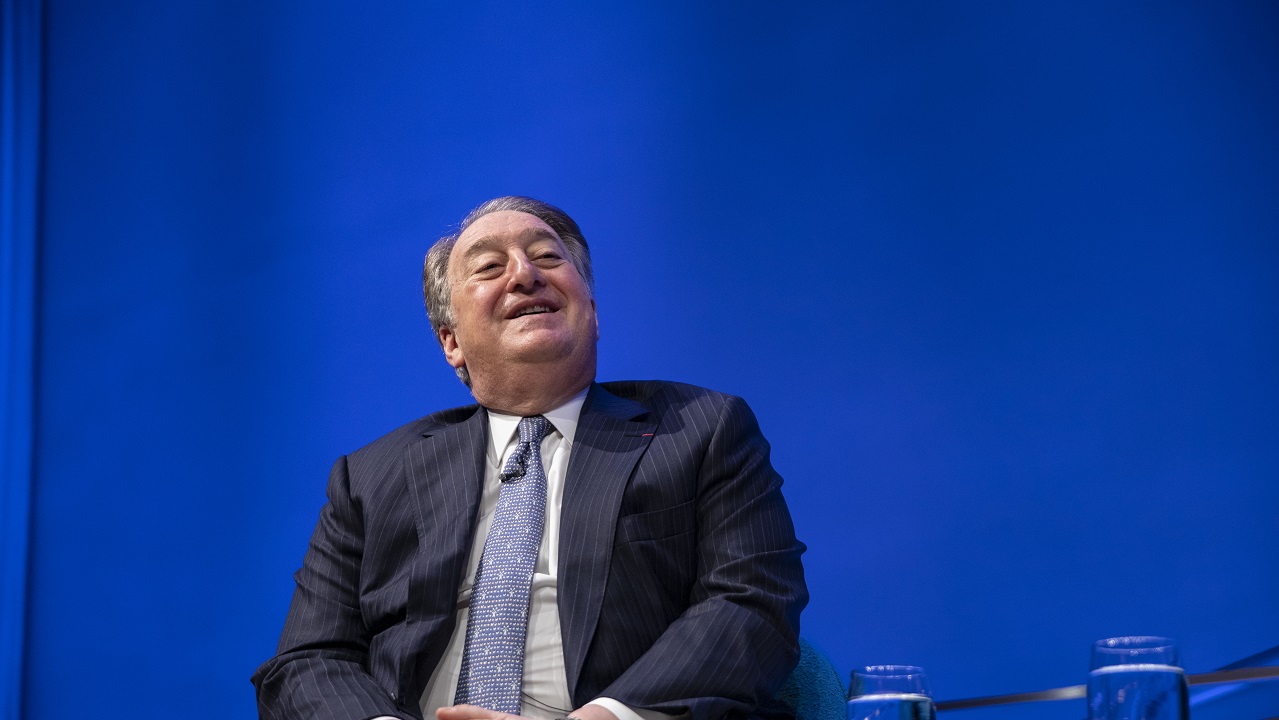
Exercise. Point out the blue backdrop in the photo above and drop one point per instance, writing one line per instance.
(1014, 265)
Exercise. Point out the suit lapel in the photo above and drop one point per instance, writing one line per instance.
(445, 478)
(612, 435)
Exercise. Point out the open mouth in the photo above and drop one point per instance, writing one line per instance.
(534, 310)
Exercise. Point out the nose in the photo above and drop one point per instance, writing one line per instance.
(524, 274)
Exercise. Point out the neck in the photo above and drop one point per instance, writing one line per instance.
(529, 391)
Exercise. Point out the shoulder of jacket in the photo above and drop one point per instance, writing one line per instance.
(411, 431)
(666, 393)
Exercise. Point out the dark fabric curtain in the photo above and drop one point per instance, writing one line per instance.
(19, 160)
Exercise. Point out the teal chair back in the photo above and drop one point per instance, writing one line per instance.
(814, 690)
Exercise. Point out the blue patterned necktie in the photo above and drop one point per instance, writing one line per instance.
(493, 657)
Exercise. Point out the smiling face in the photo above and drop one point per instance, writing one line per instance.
(521, 311)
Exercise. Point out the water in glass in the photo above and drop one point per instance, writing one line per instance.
(1137, 692)
(891, 706)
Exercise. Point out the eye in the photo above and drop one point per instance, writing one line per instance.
(488, 267)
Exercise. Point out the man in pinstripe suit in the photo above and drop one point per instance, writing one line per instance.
(668, 581)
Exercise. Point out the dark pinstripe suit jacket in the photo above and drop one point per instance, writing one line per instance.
(680, 584)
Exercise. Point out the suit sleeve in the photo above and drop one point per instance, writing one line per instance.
(732, 647)
(320, 671)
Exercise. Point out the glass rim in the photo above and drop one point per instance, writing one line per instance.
(1128, 643)
(1132, 650)
(889, 671)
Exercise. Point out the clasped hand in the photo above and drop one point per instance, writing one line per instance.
(473, 712)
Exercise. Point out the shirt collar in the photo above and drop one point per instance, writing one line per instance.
(502, 427)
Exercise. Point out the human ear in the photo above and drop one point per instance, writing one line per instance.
(452, 352)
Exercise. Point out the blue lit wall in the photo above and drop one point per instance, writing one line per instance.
(1001, 283)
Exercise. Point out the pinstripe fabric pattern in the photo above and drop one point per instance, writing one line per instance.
(680, 585)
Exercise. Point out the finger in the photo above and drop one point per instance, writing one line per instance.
(468, 712)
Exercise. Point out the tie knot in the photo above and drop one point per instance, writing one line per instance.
(533, 429)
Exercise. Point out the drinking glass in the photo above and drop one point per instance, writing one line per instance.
(890, 692)
(1137, 678)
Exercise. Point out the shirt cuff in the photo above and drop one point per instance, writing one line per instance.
(624, 712)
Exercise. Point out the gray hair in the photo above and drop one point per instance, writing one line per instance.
(435, 270)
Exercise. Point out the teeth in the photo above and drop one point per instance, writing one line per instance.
(533, 309)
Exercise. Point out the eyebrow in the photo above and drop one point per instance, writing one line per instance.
(492, 242)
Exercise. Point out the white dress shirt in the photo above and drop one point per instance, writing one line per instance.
(545, 693)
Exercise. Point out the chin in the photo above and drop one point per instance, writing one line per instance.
(544, 345)
(566, 354)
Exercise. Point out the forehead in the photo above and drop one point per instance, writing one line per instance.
(501, 229)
